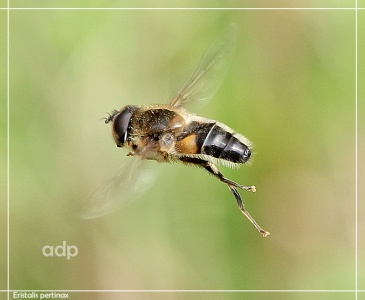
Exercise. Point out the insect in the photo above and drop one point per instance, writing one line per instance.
(169, 133)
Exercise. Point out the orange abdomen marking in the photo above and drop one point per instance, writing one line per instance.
(188, 145)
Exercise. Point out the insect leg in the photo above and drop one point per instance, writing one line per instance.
(232, 187)
(241, 206)
(214, 170)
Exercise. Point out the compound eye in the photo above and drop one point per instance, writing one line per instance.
(121, 124)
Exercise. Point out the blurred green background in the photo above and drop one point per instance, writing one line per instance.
(3, 149)
(290, 89)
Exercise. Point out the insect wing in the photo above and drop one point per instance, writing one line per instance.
(209, 75)
(131, 181)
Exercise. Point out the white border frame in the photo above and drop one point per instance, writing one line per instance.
(355, 291)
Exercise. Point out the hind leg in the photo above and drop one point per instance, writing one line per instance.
(214, 170)
(211, 168)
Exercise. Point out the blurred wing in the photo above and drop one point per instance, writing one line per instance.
(209, 75)
(132, 180)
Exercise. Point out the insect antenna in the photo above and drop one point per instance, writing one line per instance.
(110, 116)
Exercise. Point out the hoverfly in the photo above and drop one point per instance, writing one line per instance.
(169, 133)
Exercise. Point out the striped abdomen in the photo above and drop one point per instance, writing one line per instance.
(214, 139)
